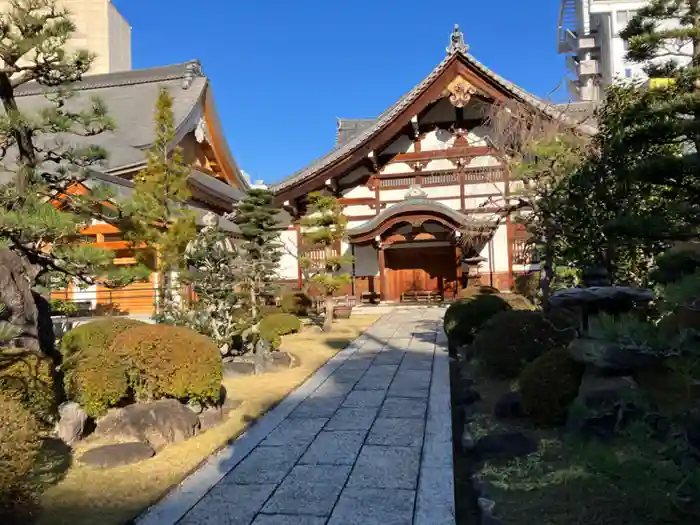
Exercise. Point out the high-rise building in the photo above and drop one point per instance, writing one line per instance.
(101, 29)
(589, 36)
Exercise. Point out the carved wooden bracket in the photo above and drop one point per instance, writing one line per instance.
(418, 165)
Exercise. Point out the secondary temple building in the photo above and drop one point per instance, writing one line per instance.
(422, 189)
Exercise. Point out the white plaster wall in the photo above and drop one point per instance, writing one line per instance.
(484, 188)
(358, 210)
(475, 137)
(442, 191)
(401, 145)
(398, 167)
(366, 261)
(358, 192)
(288, 268)
(483, 160)
(85, 294)
(439, 164)
(392, 195)
(438, 139)
(500, 250)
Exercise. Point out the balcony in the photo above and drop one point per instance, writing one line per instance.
(588, 67)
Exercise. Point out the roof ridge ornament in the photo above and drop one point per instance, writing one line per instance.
(415, 192)
(457, 44)
(192, 71)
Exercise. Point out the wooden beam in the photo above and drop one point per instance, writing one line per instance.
(300, 274)
(382, 276)
(451, 153)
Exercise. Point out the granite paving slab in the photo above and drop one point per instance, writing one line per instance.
(367, 440)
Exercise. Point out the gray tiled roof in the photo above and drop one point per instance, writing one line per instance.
(348, 129)
(130, 97)
(369, 130)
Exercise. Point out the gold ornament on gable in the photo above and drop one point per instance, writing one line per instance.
(460, 92)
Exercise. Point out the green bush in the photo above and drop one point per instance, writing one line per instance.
(273, 327)
(270, 309)
(517, 302)
(513, 338)
(19, 447)
(465, 316)
(28, 379)
(527, 285)
(94, 376)
(548, 385)
(477, 290)
(297, 303)
(170, 362)
(673, 266)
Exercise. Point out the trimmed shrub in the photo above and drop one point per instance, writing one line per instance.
(19, 446)
(27, 378)
(97, 335)
(94, 376)
(527, 285)
(477, 290)
(297, 303)
(273, 327)
(513, 338)
(270, 309)
(170, 361)
(517, 302)
(549, 384)
(465, 316)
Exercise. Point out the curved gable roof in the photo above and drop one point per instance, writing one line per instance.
(365, 130)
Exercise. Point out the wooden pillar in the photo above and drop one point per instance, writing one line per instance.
(352, 253)
(382, 274)
(458, 259)
(300, 275)
(462, 200)
(509, 228)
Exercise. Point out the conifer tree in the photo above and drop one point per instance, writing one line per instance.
(44, 159)
(324, 227)
(659, 129)
(159, 216)
(256, 216)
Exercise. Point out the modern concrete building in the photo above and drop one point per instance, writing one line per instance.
(100, 29)
(589, 36)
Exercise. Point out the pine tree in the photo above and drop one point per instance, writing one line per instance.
(160, 219)
(41, 214)
(659, 129)
(324, 227)
(256, 216)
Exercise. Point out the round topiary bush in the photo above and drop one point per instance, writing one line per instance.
(465, 316)
(513, 338)
(297, 303)
(548, 385)
(517, 302)
(28, 379)
(477, 290)
(170, 362)
(95, 377)
(19, 446)
(273, 327)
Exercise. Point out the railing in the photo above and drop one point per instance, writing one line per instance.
(568, 24)
(104, 301)
(524, 252)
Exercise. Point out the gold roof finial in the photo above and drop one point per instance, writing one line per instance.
(457, 44)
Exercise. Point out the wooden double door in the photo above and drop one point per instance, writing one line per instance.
(424, 269)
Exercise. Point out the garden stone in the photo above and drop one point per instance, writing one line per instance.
(578, 296)
(506, 445)
(509, 406)
(237, 369)
(467, 440)
(607, 355)
(117, 455)
(159, 423)
(212, 416)
(486, 505)
(71, 423)
(599, 390)
(467, 396)
(195, 407)
(280, 361)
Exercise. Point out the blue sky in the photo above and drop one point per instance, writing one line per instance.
(282, 71)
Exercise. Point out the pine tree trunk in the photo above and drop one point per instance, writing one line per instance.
(548, 273)
(16, 295)
(328, 321)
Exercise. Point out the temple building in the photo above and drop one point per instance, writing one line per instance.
(422, 189)
(216, 183)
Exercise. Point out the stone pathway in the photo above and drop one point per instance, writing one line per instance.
(366, 441)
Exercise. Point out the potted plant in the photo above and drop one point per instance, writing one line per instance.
(342, 308)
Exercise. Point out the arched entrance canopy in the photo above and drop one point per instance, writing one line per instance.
(416, 212)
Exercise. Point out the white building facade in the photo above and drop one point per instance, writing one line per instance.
(589, 37)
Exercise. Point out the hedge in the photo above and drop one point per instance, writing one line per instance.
(297, 303)
(20, 445)
(511, 339)
(170, 361)
(549, 384)
(274, 326)
(28, 379)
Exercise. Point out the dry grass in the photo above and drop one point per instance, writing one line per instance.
(88, 496)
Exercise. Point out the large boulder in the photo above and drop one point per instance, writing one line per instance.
(572, 297)
(158, 424)
(599, 390)
(71, 423)
(608, 355)
(117, 455)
